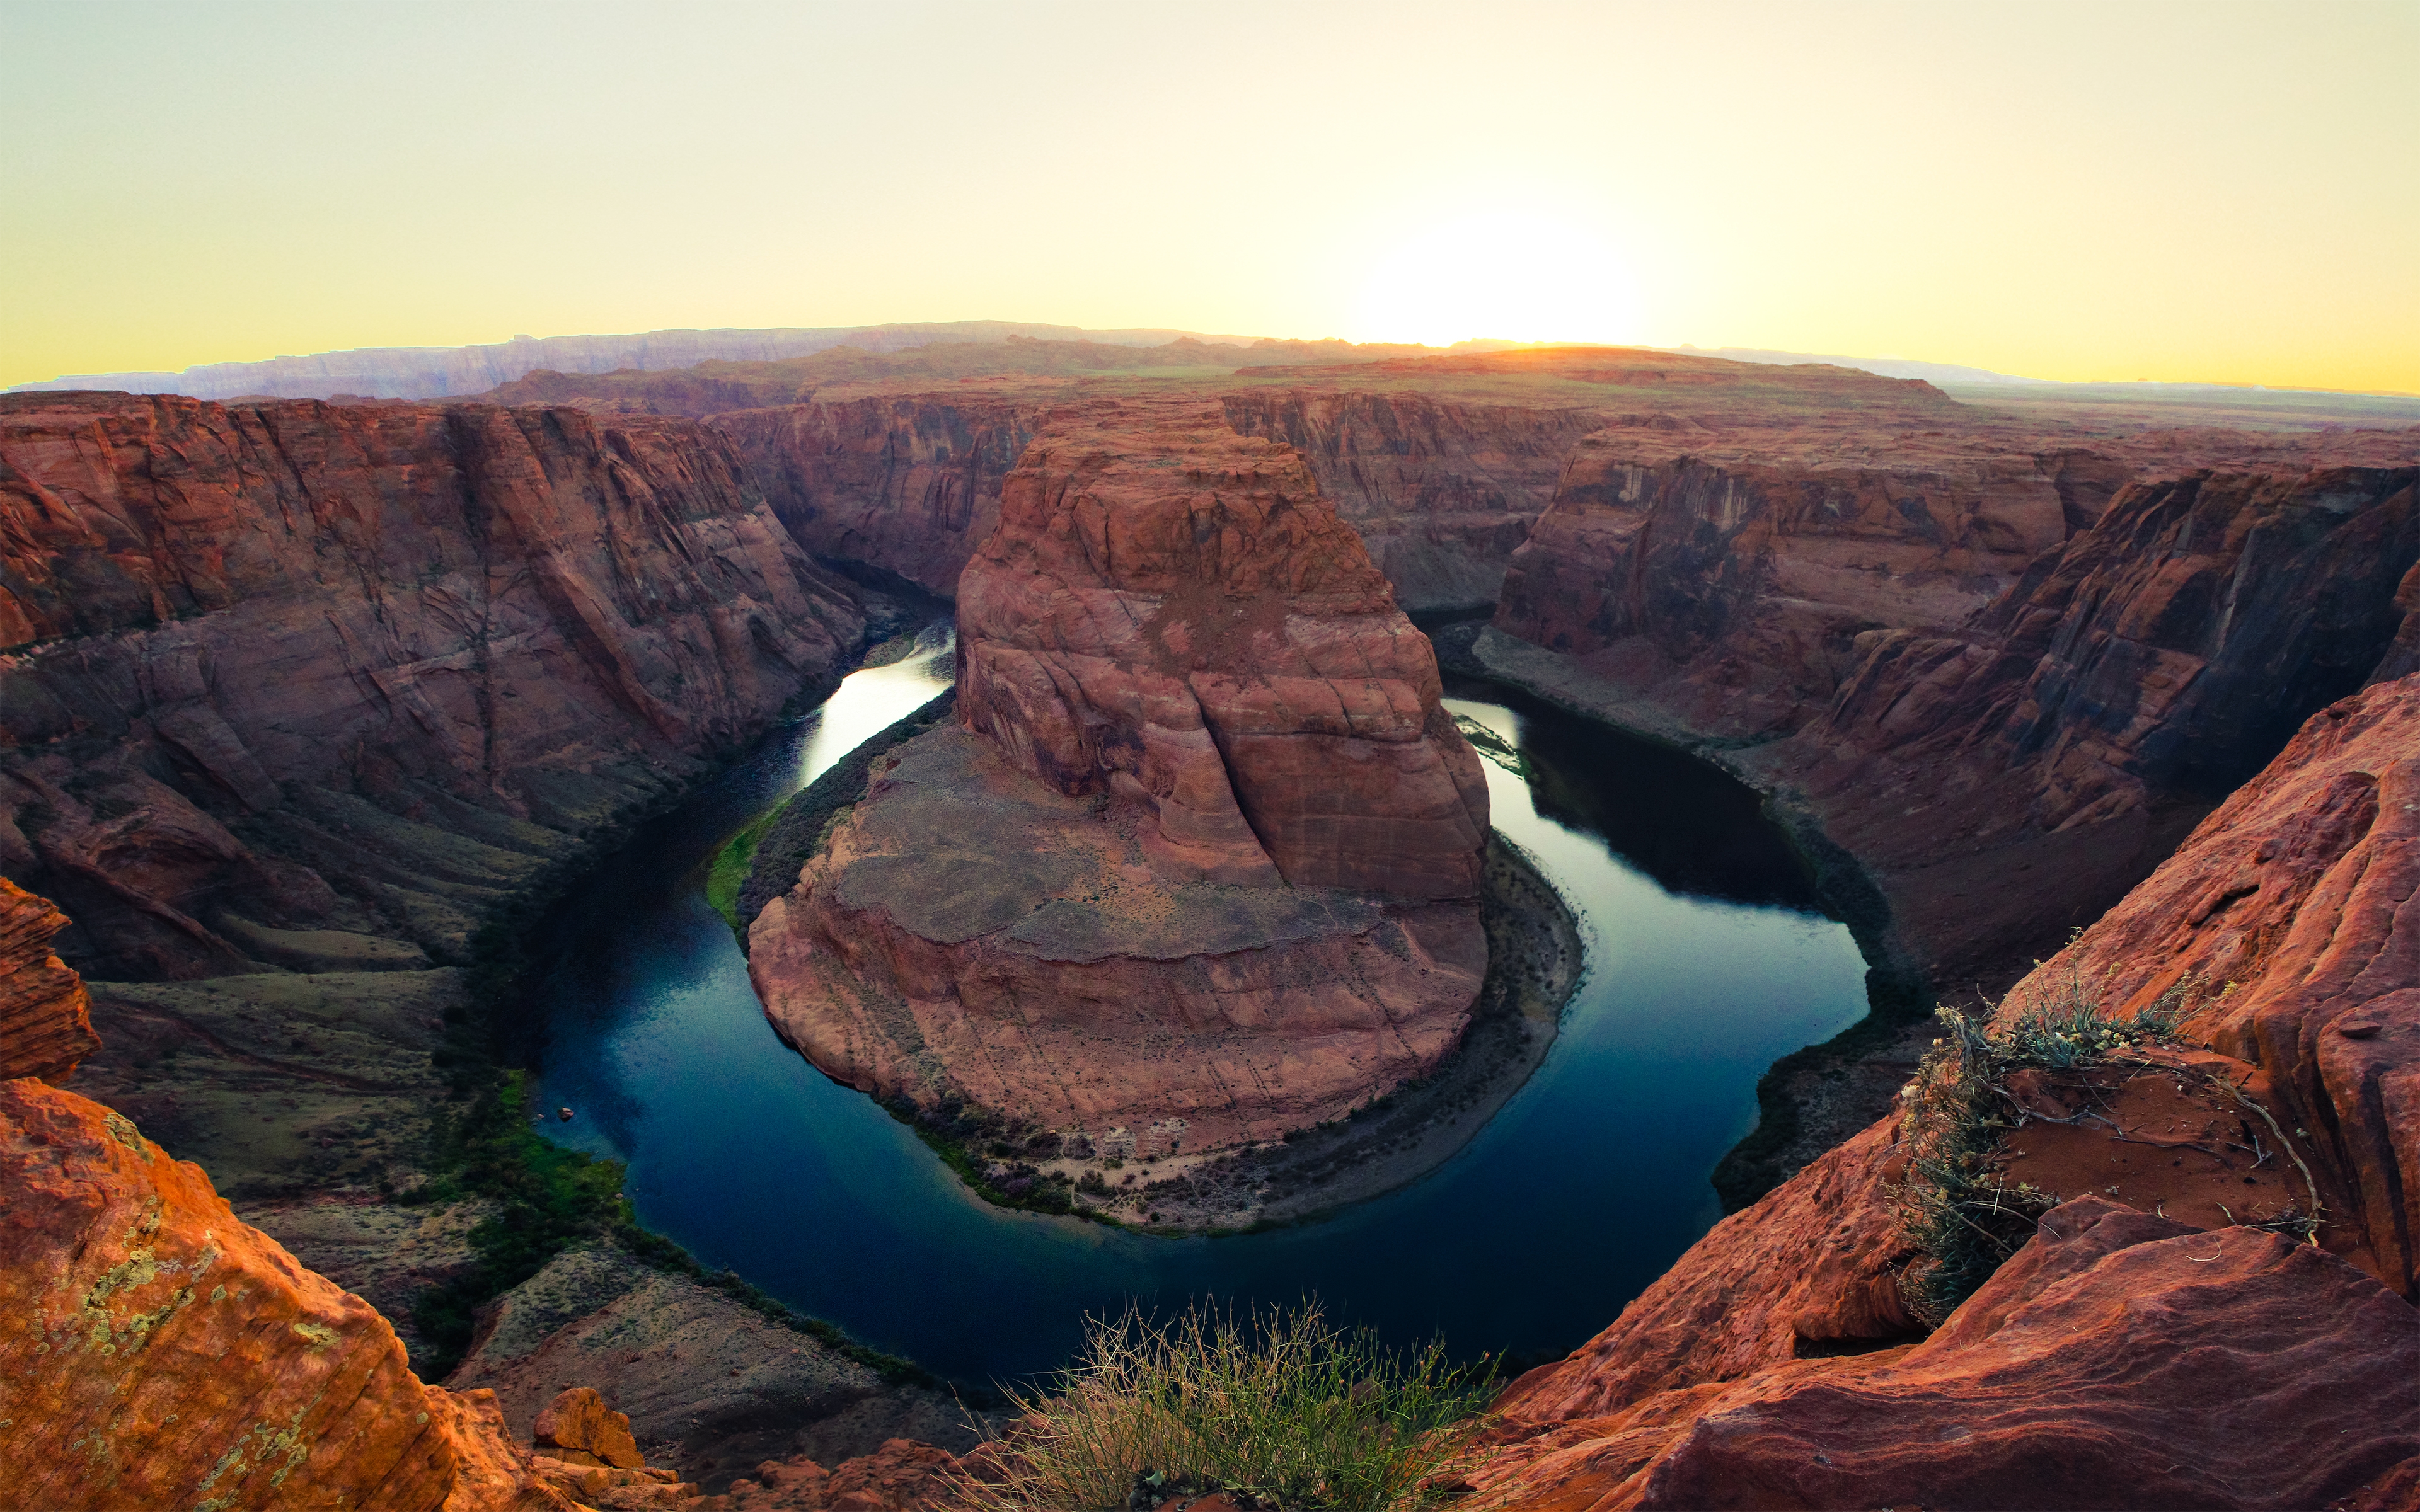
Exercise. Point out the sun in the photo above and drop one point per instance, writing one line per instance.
(1516, 275)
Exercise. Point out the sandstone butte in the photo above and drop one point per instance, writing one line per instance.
(2122, 1358)
(1200, 863)
(286, 679)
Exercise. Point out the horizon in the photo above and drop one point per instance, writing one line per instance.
(2178, 194)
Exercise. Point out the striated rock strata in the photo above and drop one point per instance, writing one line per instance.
(1202, 865)
(1442, 493)
(2072, 729)
(907, 484)
(45, 1015)
(1773, 1365)
(287, 681)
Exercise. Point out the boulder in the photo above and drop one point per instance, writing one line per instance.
(576, 1427)
(160, 1350)
(45, 1015)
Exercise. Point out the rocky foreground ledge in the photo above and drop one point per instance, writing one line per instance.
(1199, 865)
(2124, 1356)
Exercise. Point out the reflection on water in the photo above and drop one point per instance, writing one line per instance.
(1702, 968)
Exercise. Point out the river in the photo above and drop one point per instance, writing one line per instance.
(1706, 961)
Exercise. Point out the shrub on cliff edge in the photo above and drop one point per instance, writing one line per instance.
(1281, 1406)
(1955, 1208)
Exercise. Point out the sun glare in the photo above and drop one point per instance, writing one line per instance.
(1518, 276)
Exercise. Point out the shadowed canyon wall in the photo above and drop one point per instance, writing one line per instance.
(290, 680)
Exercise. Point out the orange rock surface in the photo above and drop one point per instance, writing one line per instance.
(45, 1017)
(157, 1353)
(2119, 1359)
(2294, 909)
(1201, 866)
(1174, 613)
(1771, 1367)
(901, 1476)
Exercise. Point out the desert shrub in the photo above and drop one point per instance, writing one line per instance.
(1953, 1206)
(1282, 1405)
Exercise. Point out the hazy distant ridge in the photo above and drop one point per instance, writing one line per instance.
(437, 372)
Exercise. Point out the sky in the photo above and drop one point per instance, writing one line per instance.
(2212, 191)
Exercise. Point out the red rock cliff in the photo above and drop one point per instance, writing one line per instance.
(906, 485)
(408, 649)
(45, 1018)
(1441, 492)
(1771, 1366)
(1201, 866)
(161, 1353)
(1171, 612)
(1728, 582)
(2072, 728)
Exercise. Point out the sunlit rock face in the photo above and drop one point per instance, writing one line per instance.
(1199, 865)
(1172, 613)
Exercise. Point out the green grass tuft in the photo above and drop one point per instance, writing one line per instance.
(1954, 1207)
(732, 864)
(1282, 1406)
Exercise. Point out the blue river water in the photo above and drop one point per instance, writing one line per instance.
(1705, 960)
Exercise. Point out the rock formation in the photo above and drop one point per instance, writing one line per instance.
(909, 485)
(45, 1017)
(1441, 492)
(1730, 589)
(2070, 729)
(2083, 1375)
(160, 1353)
(290, 679)
(1773, 1365)
(1201, 866)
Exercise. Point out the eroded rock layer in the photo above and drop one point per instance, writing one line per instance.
(909, 485)
(1773, 1365)
(313, 685)
(1441, 492)
(45, 1016)
(1172, 613)
(160, 1353)
(2071, 729)
(1202, 865)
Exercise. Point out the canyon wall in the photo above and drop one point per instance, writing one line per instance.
(2070, 729)
(1775, 1363)
(1201, 865)
(1441, 492)
(287, 680)
(909, 485)
(1730, 589)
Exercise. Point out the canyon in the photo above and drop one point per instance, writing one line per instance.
(306, 705)
(2282, 907)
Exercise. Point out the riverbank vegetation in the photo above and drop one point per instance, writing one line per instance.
(1283, 1411)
